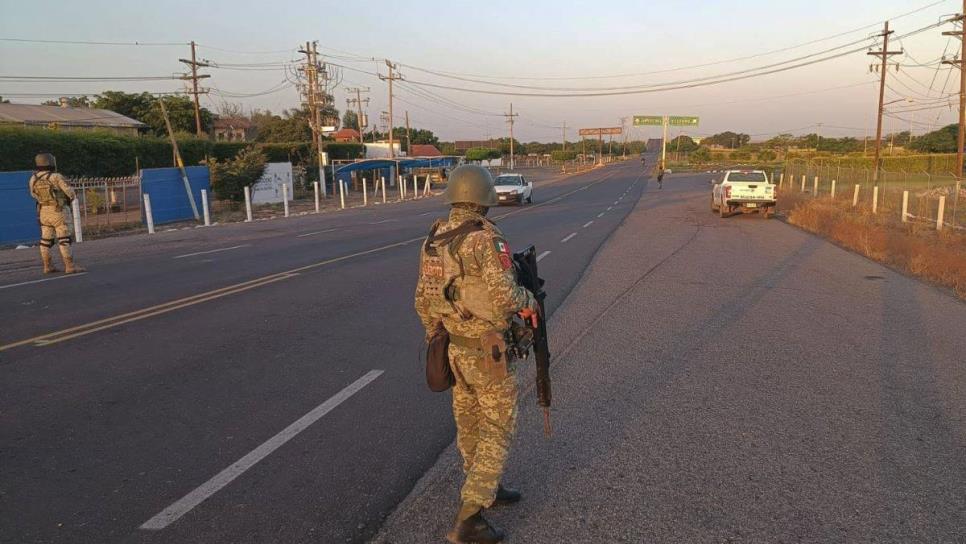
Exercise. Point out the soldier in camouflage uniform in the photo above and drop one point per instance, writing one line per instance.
(467, 285)
(52, 194)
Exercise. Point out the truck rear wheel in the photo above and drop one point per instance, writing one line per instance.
(723, 210)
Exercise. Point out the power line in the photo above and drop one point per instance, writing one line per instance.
(79, 42)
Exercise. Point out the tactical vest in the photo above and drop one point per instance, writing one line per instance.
(452, 293)
(43, 189)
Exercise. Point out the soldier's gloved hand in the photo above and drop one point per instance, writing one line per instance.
(529, 314)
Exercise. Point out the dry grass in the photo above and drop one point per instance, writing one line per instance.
(916, 248)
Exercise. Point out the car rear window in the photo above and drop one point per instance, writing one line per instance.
(747, 176)
(508, 180)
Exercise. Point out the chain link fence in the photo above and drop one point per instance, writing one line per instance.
(108, 204)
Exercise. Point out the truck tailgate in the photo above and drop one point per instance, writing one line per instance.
(751, 191)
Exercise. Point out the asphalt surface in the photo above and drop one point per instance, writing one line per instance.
(244, 383)
(734, 380)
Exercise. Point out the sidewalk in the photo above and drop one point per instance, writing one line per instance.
(795, 429)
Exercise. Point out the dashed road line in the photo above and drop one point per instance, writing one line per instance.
(174, 512)
(209, 251)
(609, 208)
(601, 214)
(314, 233)
(384, 221)
(31, 282)
(568, 237)
(542, 255)
(588, 223)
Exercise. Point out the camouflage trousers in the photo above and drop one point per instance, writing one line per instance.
(53, 230)
(485, 410)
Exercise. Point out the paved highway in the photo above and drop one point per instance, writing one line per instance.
(244, 383)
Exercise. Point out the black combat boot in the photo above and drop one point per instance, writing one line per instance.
(506, 496)
(475, 530)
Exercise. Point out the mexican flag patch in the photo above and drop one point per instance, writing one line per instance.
(503, 250)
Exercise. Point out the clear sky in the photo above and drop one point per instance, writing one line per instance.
(510, 40)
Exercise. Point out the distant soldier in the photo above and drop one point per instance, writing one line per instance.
(660, 175)
(52, 194)
(467, 286)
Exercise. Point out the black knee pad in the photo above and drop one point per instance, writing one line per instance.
(64, 240)
(47, 242)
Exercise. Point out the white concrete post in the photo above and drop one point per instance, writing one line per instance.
(941, 213)
(285, 198)
(855, 196)
(75, 213)
(204, 207)
(803, 183)
(905, 206)
(365, 193)
(248, 203)
(781, 180)
(415, 187)
(342, 194)
(832, 194)
(815, 187)
(315, 185)
(427, 188)
(383, 189)
(875, 199)
(402, 187)
(147, 213)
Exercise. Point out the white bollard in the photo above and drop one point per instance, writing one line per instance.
(365, 193)
(427, 188)
(248, 203)
(75, 213)
(342, 194)
(781, 180)
(383, 189)
(204, 207)
(855, 196)
(803, 183)
(147, 213)
(905, 206)
(402, 187)
(815, 187)
(315, 185)
(941, 213)
(415, 187)
(832, 193)
(875, 199)
(285, 198)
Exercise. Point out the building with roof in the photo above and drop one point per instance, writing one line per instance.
(346, 135)
(424, 150)
(68, 118)
(232, 129)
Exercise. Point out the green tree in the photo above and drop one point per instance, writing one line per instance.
(144, 107)
(72, 101)
(937, 141)
(683, 144)
(767, 155)
(350, 119)
(700, 155)
(229, 178)
(482, 154)
(291, 126)
(728, 139)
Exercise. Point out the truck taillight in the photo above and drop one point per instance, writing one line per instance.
(727, 191)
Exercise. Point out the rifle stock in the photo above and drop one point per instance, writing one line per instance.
(528, 276)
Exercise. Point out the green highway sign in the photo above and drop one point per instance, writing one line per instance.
(682, 121)
(648, 120)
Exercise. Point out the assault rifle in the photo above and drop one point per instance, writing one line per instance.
(525, 263)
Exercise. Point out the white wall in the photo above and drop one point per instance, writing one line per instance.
(268, 189)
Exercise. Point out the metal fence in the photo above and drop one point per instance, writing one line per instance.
(909, 195)
(108, 203)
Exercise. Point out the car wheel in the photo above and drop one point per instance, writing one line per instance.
(530, 199)
(767, 213)
(722, 210)
(713, 209)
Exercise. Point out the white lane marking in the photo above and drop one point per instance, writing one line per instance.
(568, 237)
(616, 201)
(542, 255)
(210, 251)
(427, 213)
(609, 208)
(383, 221)
(172, 513)
(588, 223)
(31, 282)
(601, 214)
(314, 233)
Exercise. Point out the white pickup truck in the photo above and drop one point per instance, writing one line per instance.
(743, 191)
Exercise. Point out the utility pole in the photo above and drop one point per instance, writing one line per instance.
(313, 100)
(664, 143)
(883, 55)
(409, 137)
(510, 120)
(193, 78)
(393, 76)
(961, 133)
(357, 101)
(623, 137)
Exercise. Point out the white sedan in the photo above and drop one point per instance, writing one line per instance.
(513, 189)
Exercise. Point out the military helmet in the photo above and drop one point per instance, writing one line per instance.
(470, 184)
(45, 160)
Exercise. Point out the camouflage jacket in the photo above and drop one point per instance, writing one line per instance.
(485, 260)
(50, 189)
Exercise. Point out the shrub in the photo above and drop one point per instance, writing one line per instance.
(561, 155)
(229, 178)
(482, 154)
